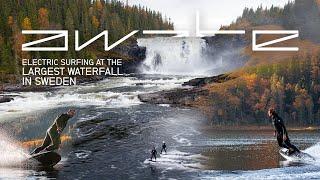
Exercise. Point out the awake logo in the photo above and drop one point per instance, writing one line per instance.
(56, 34)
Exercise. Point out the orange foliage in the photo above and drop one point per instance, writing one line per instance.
(251, 80)
(43, 18)
(19, 39)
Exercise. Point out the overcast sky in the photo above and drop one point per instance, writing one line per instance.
(213, 13)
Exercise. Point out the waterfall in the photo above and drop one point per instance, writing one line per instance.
(175, 56)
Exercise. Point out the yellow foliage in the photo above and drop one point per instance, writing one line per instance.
(251, 80)
(95, 22)
(26, 24)
(99, 5)
(10, 21)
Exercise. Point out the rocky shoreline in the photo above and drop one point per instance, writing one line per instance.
(134, 54)
(200, 82)
(184, 96)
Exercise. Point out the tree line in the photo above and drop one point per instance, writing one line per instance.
(302, 15)
(90, 17)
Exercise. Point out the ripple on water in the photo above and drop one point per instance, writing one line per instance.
(82, 154)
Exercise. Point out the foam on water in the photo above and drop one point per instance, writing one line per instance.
(82, 154)
(314, 151)
(98, 95)
(182, 140)
(177, 160)
(89, 117)
(30, 102)
(124, 100)
(160, 83)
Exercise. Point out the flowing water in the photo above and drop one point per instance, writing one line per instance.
(115, 133)
(177, 56)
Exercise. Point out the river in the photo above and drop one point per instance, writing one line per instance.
(113, 133)
(194, 151)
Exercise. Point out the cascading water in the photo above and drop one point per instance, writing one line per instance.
(175, 56)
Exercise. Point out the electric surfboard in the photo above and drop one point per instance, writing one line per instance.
(44, 159)
(301, 156)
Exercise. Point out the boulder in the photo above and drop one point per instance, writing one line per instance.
(199, 82)
(183, 97)
(4, 99)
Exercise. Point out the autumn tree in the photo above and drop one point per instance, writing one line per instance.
(26, 24)
(95, 22)
(43, 18)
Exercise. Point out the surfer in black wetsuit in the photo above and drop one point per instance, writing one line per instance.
(281, 132)
(164, 147)
(154, 154)
(52, 139)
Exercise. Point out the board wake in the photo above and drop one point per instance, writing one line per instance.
(296, 156)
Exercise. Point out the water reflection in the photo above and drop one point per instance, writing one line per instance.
(250, 157)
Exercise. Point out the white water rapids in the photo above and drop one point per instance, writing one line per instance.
(175, 56)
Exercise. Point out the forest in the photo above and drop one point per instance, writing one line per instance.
(290, 84)
(292, 87)
(302, 15)
(87, 16)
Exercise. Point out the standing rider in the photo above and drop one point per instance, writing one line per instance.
(164, 147)
(154, 153)
(281, 132)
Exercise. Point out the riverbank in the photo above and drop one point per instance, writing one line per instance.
(187, 95)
